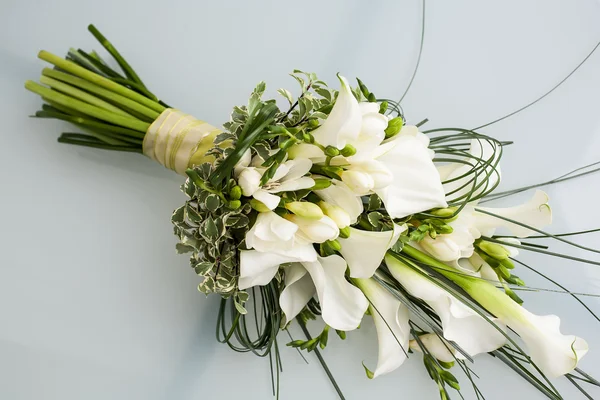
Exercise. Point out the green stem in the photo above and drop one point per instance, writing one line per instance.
(88, 109)
(107, 94)
(81, 72)
(97, 145)
(116, 55)
(81, 95)
(84, 122)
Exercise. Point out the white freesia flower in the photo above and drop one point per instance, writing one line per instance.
(450, 247)
(344, 121)
(437, 347)
(342, 304)
(554, 353)
(536, 213)
(340, 195)
(315, 231)
(473, 333)
(364, 250)
(391, 321)
(288, 177)
(275, 241)
(336, 213)
(367, 176)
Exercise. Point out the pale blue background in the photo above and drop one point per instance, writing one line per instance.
(94, 303)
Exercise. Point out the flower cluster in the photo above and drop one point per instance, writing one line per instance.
(339, 203)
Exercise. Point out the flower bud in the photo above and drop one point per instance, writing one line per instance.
(313, 123)
(348, 151)
(259, 206)
(286, 144)
(345, 232)
(515, 280)
(494, 250)
(235, 204)
(359, 182)
(394, 126)
(334, 244)
(336, 213)
(383, 107)
(315, 231)
(305, 209)
(235, 193)
(331, 151)
(333, 172)
(444, 212)
(308, 138)
(507, 263)
(321, 183)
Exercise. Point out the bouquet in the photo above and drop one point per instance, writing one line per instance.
(335, 207)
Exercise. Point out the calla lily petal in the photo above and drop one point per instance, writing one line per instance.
(344, 121)
(299, 289)
(536, 213)
(342, 304)
(340, 195)
(391, 321)
(258, 268)
(364, 250)
(416, 184)
(469, 330)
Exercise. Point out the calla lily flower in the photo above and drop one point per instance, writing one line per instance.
(342, 304)
(340, 195)
(288, 177)
(364, 250)
(391, 321)
(437, 347)
(344, 121)
(536, 213)
(473, 333)
(554, 353)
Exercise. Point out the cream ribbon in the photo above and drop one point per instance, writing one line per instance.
(175, 137)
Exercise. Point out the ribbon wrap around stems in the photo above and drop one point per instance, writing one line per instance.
(178, 141)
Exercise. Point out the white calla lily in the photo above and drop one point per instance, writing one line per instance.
(415, 185)
(342, 304)
(315, 231)
(391, 321)
(290, 176)
(473, 333)
(341, 195)
(437, 347)
(535, 213)
(554, 353)
(364, 250)
(344, 121)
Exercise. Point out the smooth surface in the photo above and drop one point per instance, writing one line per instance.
(94, 302)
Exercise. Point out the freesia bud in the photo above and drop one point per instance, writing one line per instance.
(321, 183)
(348, 151)
(305, 209)
(235, 204)
(359, 182)
(345, 232)
(313, 123)
(494, 250)
(444, 212)
(334, 244)
(331, 151)
(315, 231)
(437, 347)
(336, 213)
(394, 126)
(235, 193)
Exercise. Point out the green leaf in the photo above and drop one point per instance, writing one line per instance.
(260, 88)
(450, 379)
(240, 308)
(192, 214)
(212, 202)
(375, 218)
(374, 203)
(207, 286)
(203, 267)
(287, 94)
(178, 215)
(183, 248)
(242, 296)
(209, 230)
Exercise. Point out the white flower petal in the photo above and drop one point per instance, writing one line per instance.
(364, 250)
(242, 163)
(360, 182)
(249, 181)
(258, 268)
(297, 168)
(469, 330)
(367, 107)
(391, 321)
(342, 196)
(299, 289)
(450, 247)
(416, 184)
(281, 171)
(411, 130)
(304, 182)
(336, 213)
(271, 233)
(536, 213)
(268, 199)
(342, 304)
(315, 231)
(306, 150)
(343, 123)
